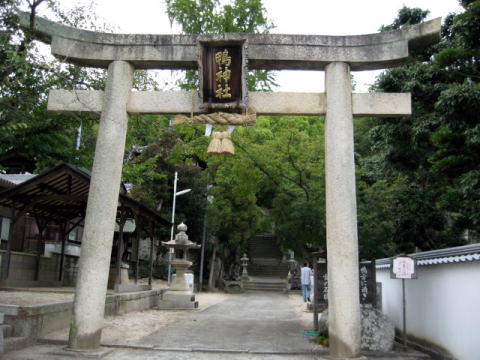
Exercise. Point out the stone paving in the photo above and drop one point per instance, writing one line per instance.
(254, 321)
(254, 325)
(260, 325)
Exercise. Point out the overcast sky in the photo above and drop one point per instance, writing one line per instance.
(337, 17)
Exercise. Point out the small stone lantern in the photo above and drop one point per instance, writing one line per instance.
(179, 295)
(244, 261)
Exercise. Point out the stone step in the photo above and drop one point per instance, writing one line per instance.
(259, 284)
(15, 343)
(265, 261)
(264, 287)
(264, 273)
(268, 266)
(279, 270)
(265, 284)
(269, 290)
(267, 269)
(7, 330)
(264, 246)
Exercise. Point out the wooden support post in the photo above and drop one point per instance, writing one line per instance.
(66, 231)
(62, 256)
(152, 234)
(120, 246)
(138, 230)
(8, 253)
(42, 226)
(315, 293)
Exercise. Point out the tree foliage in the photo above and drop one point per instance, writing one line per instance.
(26, 76)
(431, 158)
(418, 177)
(212, 17)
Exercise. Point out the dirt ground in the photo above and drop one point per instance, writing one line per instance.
(130, 327)
(121, 329)
(48, 295)
(30, 298)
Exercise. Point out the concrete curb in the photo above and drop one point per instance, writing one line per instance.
(48, 341)
(321, 352)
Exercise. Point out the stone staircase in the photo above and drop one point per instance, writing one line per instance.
(265, 269)
(9, 342)
(256, 283)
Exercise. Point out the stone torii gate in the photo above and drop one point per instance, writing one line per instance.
(336, 55)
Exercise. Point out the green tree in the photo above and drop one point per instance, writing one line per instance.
(211, 17)
(433, 154)
(26, 76)
(288, 152)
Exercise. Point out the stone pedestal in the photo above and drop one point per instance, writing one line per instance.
(179, 296)
(177, 300)
(180, 283)
(245, 274)
(124, 279)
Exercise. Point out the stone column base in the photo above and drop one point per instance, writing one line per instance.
(177, 300)
(66, 352)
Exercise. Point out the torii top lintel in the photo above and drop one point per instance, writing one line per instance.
(265, 51)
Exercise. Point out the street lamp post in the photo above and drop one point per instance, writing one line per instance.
(175, 194)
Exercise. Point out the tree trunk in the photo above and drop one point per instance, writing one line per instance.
(212, 268)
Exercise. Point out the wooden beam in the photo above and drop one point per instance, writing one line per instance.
(74, 225)
(265, 103)
(43, 197)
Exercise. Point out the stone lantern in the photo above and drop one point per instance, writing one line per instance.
(244, 261)
(179, 295)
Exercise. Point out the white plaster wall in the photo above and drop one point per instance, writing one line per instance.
(73, 250)
(5, 228)
(443, 306)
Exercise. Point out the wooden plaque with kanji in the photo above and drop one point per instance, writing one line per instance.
(222, 77)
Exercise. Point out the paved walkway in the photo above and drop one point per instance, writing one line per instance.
(253, 325)
(254, 321)
(250, 326)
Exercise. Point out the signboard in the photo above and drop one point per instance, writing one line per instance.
(367, 280)
(321, 281)
(403, 267)
(222, 67)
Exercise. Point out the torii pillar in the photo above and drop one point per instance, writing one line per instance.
(341, 211)
(94, 266)
(337, 55)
